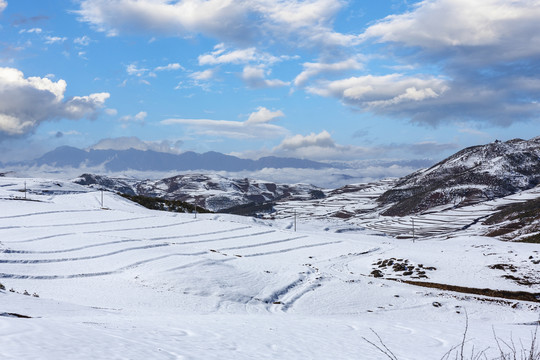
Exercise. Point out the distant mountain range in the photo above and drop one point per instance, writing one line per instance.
(131, 159)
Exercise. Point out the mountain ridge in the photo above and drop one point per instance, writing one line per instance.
(150, 160)
(472, 175)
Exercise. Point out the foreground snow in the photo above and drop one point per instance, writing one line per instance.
(129, 283)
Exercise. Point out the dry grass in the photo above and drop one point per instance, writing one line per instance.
(507, 349)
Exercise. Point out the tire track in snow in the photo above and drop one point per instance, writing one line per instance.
(285, 298)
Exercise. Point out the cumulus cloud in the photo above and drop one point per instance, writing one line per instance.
(321, 140)
(26, 102)
(321, 146)
(54, 39)
(312, 70)
(172, 66)
(499, 27)
(255, 77)
(372, 92)
(486, 52)
(3, 5)
(263, 115)
(308, 23)
(133, 70)
(241, 56)
(203, 75)
(31, 31)
(257, 126)
(137, 118)
(83, 40)
(432, 100)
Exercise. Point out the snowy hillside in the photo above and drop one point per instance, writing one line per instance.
(212, 192)
(119, 281)
(472, 175)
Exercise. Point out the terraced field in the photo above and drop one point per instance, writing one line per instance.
(356, 209)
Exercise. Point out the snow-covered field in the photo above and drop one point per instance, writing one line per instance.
(124, 282)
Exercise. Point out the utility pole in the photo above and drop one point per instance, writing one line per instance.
(25, 190)
(412, 229)
(294, 220)
(102, 198)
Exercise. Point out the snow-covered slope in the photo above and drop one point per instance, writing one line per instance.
(472, 175)
(124, 282)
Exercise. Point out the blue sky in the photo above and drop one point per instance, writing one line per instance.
(317, 79)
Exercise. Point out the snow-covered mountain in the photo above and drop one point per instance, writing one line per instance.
(472, 175)
(212, 192)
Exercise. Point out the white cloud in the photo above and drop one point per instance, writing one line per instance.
(203, 75)
(263, 115)
(83, 40)
(484, 50)
(323, 140)
(54, 39)
(31, 31)
(3, 5)
(26, 102)
(507, 29)
(256, 127)
(254, 77)
(312, 70)
(321, 146)
(174, 66)
(111, 112)
(137, 118)
(243, 56)
(132, 69)
(371, 92)
(140, 116)
(306, 23)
